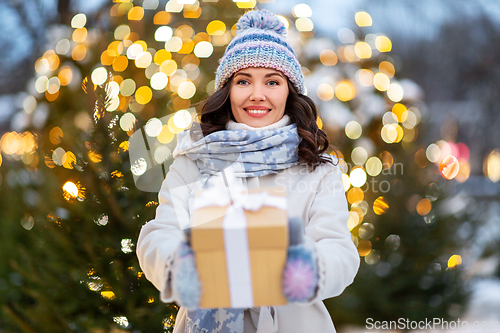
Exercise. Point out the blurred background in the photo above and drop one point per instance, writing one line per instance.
(408, 93)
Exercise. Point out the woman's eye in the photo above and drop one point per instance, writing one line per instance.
(273, 83)
(242, 82)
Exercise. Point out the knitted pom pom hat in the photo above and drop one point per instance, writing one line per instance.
(260, 42)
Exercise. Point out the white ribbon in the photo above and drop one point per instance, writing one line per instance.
(218, 196)
(234, 227)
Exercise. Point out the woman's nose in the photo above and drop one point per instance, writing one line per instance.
(257, 93)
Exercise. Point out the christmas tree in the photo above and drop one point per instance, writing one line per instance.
(136, 70)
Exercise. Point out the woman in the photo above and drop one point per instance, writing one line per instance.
(260, 115)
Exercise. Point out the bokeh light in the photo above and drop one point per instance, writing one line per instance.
(203, 49)
(387, 68)
(127, 122)
(345, 91)
(182, 119)
(55, 135)
(41, 84)
(99, 75)
(246, 4)
(389, 133)
(174, 44)
(173, 6)
(346, 36)
(400, 111)
(380, 206)
(121, 32)
(383, 44)
(134, 50)
(381, 81)
(363, 19)
(395, 92)
(79, 35)
(392, 242)
(216, 28)
(162, 56)
(79, 52)
(41, 65)
(325, 92)
(463, 171)
(153, 127)
(186, 89)
(346, 182)
(364, 248)
(365, 77)
(373, 257)
(373, 166)
(159, 81)
(424, 207)
(353, 130)
(301, 10)
(363, 50)
(70, 190)
(353, 220)
(165, 136)
(433, 153)
(127, 87)
(357, 177)
(168, 67)
(78, 21)
(163, 34)
(354, 195)
(120, 63)
(449, 167)
(366, 231)
(454, 261)
(139, 167)
(53, 85)
(63, 46)
(328, 57)
(143, 95)
(136, 13)
(359, 155)
(304, 24)
(389, 118)
(10, 143)
(143, 59)
(162, 154)
(491, 166)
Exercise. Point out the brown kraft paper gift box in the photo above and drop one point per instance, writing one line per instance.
(267, 231)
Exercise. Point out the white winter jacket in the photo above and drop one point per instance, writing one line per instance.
(317, 197)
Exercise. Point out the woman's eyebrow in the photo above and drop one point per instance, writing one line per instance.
(245, 74)
(271, 74)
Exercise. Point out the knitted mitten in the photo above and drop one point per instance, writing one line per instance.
(185, 281)
(300, 276)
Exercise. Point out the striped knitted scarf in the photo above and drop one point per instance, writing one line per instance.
(257, 153)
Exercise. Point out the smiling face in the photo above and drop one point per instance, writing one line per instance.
(258, 96)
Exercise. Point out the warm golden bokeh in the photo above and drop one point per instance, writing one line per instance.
(380, 206)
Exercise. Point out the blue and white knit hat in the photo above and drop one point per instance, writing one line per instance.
(260, 42)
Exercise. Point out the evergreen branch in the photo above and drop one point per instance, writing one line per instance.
(20, 322)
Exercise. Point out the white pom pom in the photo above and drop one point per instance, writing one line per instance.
(261, 19)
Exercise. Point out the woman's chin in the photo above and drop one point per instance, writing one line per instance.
(257, 122)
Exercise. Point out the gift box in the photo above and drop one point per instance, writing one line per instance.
(240, 247)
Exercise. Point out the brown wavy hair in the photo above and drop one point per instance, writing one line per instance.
(216, 112)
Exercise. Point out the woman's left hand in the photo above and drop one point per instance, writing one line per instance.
(300, 276)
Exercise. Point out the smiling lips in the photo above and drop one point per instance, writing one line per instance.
(257, 111)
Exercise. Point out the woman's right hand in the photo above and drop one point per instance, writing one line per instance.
(186, 283)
